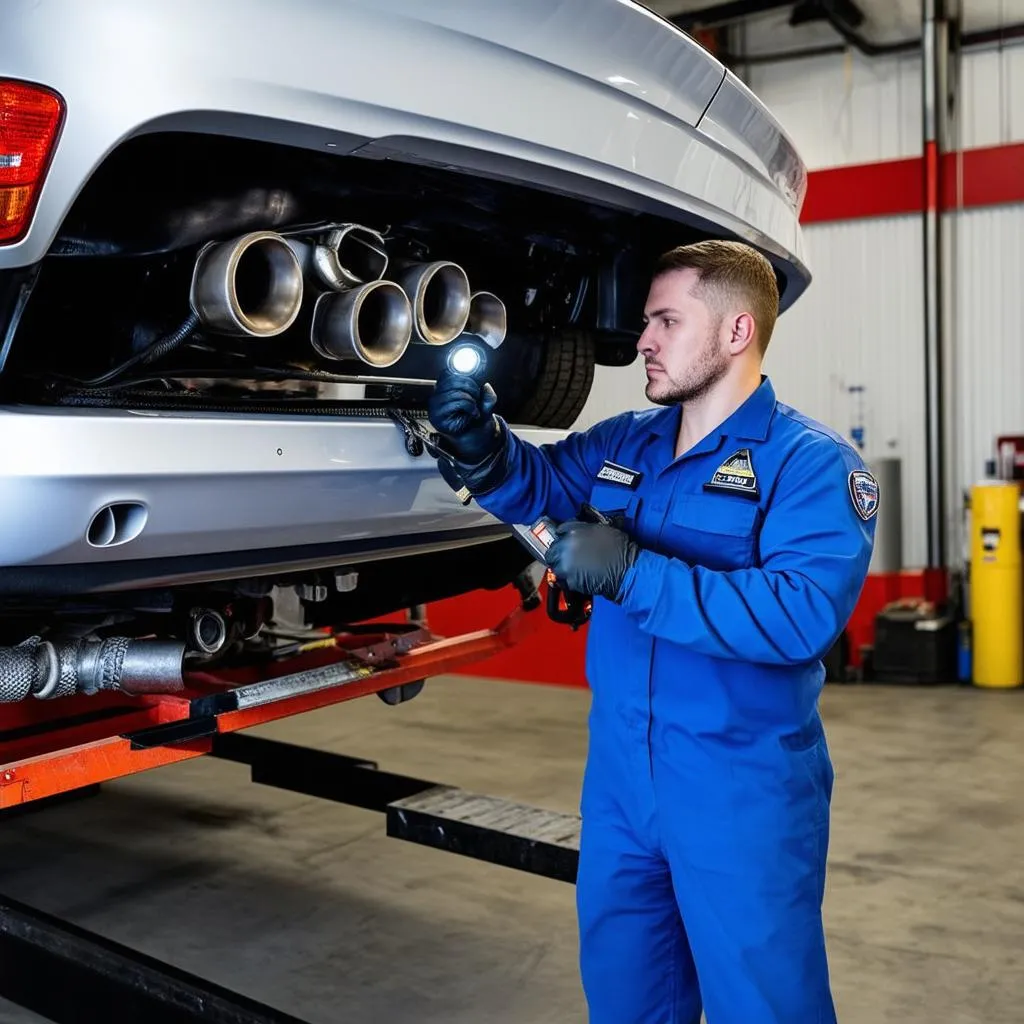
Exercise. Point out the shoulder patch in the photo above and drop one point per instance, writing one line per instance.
(864, 493)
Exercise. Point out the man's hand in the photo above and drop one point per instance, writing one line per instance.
(461, 410)
(591, 558)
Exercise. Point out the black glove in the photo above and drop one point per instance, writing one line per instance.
(461, 410)
(591, 558)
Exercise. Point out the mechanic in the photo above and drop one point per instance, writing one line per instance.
(741, 536)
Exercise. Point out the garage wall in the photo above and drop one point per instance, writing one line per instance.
(853, 110)
(861, 322)
(850, 109)
(988, 321)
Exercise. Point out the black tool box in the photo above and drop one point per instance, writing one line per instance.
(914, 643)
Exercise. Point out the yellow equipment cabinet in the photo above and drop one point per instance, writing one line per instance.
(997, 590)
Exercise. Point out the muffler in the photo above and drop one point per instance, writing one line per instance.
(250, 286)
(487, 318)
(439, 295)
(46, 669)
(344, 257)
(371, 323)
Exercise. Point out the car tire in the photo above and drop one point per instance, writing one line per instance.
(550, 378)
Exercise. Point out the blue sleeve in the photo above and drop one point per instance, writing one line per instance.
(551, 479)
(815, 551)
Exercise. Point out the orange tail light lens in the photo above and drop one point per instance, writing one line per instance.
(30, 119)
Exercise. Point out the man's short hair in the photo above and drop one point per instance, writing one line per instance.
(730, 272)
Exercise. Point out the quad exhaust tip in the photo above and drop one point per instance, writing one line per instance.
(488, 319)
(251, 286)
(439, 294)
(371, 323)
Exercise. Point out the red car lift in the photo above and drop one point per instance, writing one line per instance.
(49, 750)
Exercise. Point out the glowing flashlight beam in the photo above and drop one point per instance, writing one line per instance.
(466, 359)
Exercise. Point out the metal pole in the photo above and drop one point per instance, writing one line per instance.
(935, 53)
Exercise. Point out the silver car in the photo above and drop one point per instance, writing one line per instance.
(238, 240)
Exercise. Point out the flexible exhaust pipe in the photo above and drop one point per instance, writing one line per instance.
(439, 295)
(371, 323)
(487, 318)
(345, 257)
(29, 668)
(47, 670)
(250, 286)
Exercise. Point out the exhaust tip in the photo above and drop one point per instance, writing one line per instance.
(372, 323)
(487, 318)
(116, 523)
(250, 286)
(439, 294)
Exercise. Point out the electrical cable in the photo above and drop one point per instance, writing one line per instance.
(149, 354)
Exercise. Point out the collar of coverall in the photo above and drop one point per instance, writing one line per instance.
(749, 422)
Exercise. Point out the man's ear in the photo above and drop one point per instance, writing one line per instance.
(741, 333)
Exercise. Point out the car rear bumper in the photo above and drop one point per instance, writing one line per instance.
(624, 95)
(211, 496)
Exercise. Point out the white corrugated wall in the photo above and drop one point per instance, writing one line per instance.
(862, 324)
(851, 109)
(988, 339)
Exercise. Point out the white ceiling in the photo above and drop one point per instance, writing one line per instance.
(886, 20)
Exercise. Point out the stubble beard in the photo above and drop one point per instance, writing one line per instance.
(710, 367)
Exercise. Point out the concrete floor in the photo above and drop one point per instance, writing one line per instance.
(307, 906)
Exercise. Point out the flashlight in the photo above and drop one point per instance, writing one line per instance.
(467, 358)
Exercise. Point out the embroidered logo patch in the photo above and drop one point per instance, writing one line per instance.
(613, 473)
(864, 493)
(736, 474)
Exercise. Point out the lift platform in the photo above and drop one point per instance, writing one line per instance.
(52, 750)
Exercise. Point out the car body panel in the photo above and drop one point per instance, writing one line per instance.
(292, 480)
(600, 99)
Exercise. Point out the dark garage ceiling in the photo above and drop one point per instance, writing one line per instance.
(881, 21)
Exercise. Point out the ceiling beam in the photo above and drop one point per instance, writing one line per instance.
(722, 14)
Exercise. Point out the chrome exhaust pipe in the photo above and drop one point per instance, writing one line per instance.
(344, 257)
(250, 286)
(119, 663)
(371, 323)
(439, 295)
(487, 318)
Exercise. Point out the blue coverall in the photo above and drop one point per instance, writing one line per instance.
(707, 788)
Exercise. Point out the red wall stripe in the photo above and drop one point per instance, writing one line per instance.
(990, 176)
(864, 190)
(980, 177)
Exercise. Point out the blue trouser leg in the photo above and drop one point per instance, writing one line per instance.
(760, 952)
(750, 889)
(635, 960)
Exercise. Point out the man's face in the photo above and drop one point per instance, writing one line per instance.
(682, 343)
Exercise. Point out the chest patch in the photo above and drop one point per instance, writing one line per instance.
(736, 474)
(864, 493)
(613, 473)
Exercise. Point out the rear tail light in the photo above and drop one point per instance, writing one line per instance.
(30, 118)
